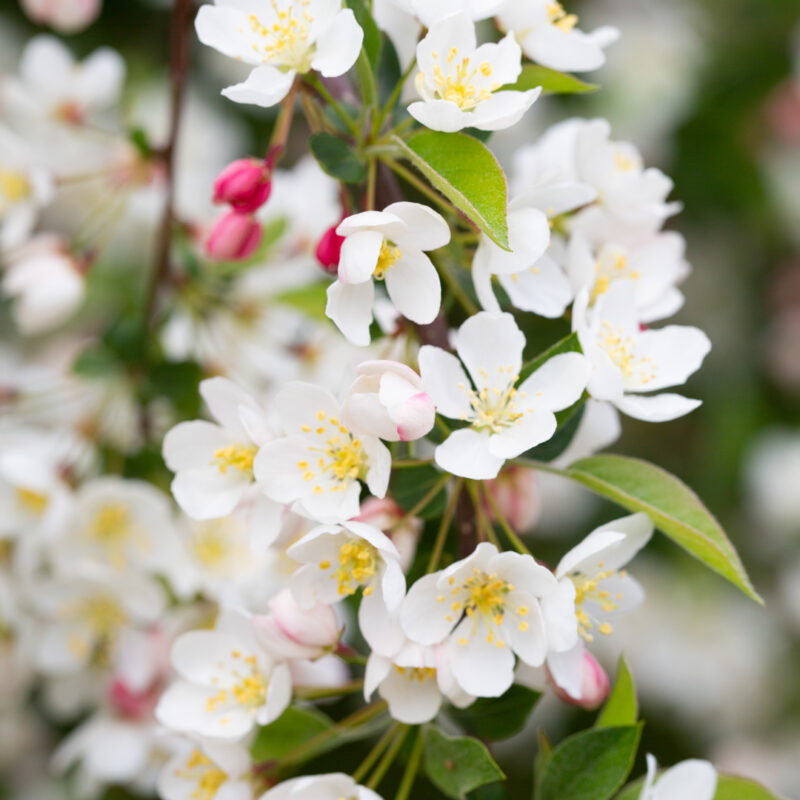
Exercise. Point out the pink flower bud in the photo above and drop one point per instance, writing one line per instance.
(329, 249)
(235, 236)
(388, 400)
(66, 16)
(516, 493)
(245, 184)
(404, 531)
(291, 632)
(595, 686)
(132, 704)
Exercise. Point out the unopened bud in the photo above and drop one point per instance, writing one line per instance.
(290, 632)
(515, 492)
(595, 686)
(235, 236)
(245, 184)
(329, 250)
(66, 16)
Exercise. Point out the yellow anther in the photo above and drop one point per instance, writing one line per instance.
(237, 456)
(31, 501)
(390, 254)
(13, 187)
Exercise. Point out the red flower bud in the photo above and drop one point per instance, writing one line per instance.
(245, 184)
(329, 249)
(236, 236)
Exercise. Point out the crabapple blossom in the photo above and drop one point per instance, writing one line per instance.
(627, 362)
(414, 682)
(45, 282)
(549, 35)
(461, 84)
(333, 786)
(292, 632)
(338, 560)
(280, 39)
(319, 461)
(403, 530)
(591, 573)
(213, 461)
(227, 683)
(430, 13)
(388, 400)
(504, 419)
(693, 779)
(486, 608)
(210, 769)
(387, 246)
(66, 16)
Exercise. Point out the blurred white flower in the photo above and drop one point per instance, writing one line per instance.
(689, 780)
(207, 769)
(66, 16)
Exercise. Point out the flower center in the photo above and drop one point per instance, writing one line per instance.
(111, 524)
(460, 83)
(340, 456)
(237, 456)
(494, 408)
(250, 689)
(621, 349)
(419, 674)
(358, 565)
(390, 254)
(557, 16)
(210, 545)
(285, 40)
(102, 614)
(589, 588)
(202, 772)
(624, 163)
(13, 186)
(32, 502)
(611, 266)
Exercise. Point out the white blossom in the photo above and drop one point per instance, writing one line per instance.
(693, 779)
(334, 786)
(207, 770)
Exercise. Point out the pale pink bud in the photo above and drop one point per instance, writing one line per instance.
(66, 16)
(245, 184)
(516, 494)
(132, 704)
(404, 531)
(235, 236)
(329, 250)
(291, 632)
(388, 400)
(595, 686)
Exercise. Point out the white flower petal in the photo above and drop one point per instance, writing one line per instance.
(467, 453)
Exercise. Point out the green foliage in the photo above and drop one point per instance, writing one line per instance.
(337, 158)
(409, 486)
(467, 173)
(621, 708)
(293, 728)
(551, 80)
(459, 764)
(311, 300)
(590, 765)
(496, 718)
(674, 508)
(569, 344)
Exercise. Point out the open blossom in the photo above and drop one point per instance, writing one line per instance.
(388, 400)
(213, 462)
(693, 779)
(550, 36)
(320, 461)
(461, 83)
(334, 786)
(387, 246)
(504, 419)
(280, 39)
(66, 16)
(487, 608)
(227, 683)
(45, 282)
(627, 362)
(414, 682)
(338, 560)
(207, 770)
(592, 574)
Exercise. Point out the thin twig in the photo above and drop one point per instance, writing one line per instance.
(441, 536)
(404, 790)
(374, 754)
(388, 757)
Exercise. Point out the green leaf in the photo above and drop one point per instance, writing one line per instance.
(540, 763)
(729, 787)
(497, 718)
(96, 361)
(621, 708)
(591, 765)
(372, 34)
(674, 508)
(466, 172)
(179, 382)
(293, 728)
(569, 344)
(459, 764)
(409, 487)
(568, 422)
(552, 81)
(311, 299)
(388, 72)
(337, 158)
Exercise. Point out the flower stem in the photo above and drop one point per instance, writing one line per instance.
(372, 757)
(441, 536)
(410, 774)
(320, 88)
(388, 757)
(319, 692)
(410, 178)
(280, 133)
(415, 509)
(518, 544)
